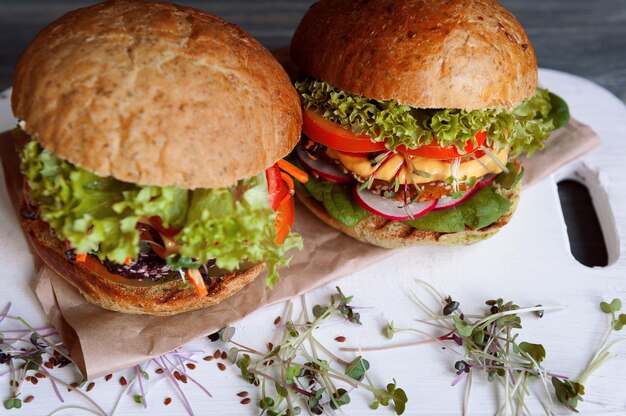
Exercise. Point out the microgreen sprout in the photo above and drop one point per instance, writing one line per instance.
(491, 346)
(300, 374)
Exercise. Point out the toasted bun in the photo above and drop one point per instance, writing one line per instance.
(152, 299)
(382, 232)
(156, 94)
(470, 54)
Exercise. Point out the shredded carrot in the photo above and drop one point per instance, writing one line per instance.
(128, 261)
(195, 278)
(287, 180)
(298, 174)
(81, 257)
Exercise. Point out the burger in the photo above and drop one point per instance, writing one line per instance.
(414, 113)
(151, 137)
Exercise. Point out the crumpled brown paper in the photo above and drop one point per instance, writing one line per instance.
(101, 341)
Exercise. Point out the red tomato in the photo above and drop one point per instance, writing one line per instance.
(276, 188)
(335, 136)
(157, 223)
(434, 151)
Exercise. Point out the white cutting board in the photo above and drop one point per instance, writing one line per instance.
(528, 262)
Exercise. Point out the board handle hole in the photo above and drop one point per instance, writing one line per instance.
(584, 230)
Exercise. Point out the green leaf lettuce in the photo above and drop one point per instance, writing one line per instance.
(99, 215)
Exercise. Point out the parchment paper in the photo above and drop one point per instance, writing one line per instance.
(101, 341)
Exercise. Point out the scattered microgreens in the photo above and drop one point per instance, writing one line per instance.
(28, 353)
(490, 345)
(300, 372)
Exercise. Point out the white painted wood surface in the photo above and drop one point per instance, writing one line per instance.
(528, 262)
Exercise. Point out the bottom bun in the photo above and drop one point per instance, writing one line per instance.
(136, 297)
(385, 233)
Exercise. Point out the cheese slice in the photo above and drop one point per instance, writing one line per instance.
(396, 166)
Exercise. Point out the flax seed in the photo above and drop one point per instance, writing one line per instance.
(340, 339)
(243, 394)
(183, 378)
(177, 375)
(277, 320)
(39, 375)
(270, 346)
(167, 401)
(48, 365)
(91, 386)
(221, 366)
(123, 381)
(159, 371)
(34, 380)
(246, 401)
(29, 399)
(208, 358)
(191, 366)
(224, 355)
(217, 354)
(108, 377)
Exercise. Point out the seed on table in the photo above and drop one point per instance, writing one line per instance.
(224, 355)
(90, 386)
(340, 339)
(246, 401)
(221, 366)
(123, 381)
(277, 320)
(108, 377)
(183, 378)
(217, 354)
(159, 371)
(167, 401)
(208, 358)
(191, 366)
(29, 399)
(177, 375)
(243, 394)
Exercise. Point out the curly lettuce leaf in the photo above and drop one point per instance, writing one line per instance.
(523, 129)
(99, 215)
(231, 224)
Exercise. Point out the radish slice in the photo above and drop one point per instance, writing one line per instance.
(448, 202)
(486, 180)
(389, 208)
(323, 168)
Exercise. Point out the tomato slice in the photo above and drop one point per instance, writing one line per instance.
(336, 137)
(434, 151)
(333, 135)
(157, 223)
(276, 188)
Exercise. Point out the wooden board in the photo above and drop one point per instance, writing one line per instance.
(528, 262)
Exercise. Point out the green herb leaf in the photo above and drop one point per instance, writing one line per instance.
(605, 307)
(536, 351)
(340, 398)
(463, 328)
(357, 368)
(560, 112)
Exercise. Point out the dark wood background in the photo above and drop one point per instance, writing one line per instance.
(582, 37)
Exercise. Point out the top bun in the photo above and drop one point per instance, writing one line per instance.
(156, 94)
(469, 54)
